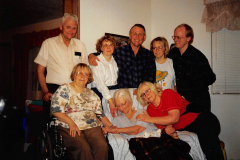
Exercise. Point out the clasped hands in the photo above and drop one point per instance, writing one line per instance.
(111, 129)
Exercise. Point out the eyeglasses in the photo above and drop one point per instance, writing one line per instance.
(69, 27)
(82, 74)
(107, 45)
(158, 48)
(147, 92)
(121, 105)
(177, 37)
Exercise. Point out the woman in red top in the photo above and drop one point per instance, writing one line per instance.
(169, 108)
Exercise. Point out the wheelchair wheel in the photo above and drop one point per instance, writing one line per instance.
(44, 147)
(58, 149)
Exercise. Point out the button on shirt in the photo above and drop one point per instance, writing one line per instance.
(134, 70)
(105, 74)
(60, 59)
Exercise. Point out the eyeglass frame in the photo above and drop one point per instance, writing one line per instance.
(121, 105)
(178, 38)
(106, 45)
(147, 92)
(83, 74)
(158, 48)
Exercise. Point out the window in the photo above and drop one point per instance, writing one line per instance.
(226, 61)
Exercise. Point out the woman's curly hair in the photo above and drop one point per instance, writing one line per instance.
(105, 38)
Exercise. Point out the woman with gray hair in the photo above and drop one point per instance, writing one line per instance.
(126, 123)
(129, 127)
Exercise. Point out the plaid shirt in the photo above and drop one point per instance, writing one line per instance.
(134, 70)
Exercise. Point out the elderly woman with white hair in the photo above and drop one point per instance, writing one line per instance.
(126, 123)
(129, 127)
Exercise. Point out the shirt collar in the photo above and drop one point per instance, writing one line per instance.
(60, 40)
(101, 55)
(139, 50)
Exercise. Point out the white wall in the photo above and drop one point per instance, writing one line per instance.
(112, 16)
(160, 18)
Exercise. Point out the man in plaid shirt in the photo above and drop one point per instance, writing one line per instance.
(135, 63)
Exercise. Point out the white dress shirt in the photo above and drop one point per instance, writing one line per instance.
(105, 74)
(60, 59)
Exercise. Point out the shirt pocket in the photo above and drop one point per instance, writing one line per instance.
(77, 59)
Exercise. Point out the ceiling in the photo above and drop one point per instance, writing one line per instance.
(18, 13)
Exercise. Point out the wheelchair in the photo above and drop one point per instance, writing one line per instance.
(49, 145)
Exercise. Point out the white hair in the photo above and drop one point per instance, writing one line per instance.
(123, 93)
(69, 16)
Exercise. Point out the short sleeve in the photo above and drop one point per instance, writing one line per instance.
(85, 54)
(170, 100)
(97, 104)
(43, 54)
(60, 99)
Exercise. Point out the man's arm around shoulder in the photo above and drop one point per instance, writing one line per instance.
(92, 59)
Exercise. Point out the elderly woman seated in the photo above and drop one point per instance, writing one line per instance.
(78, 110)
(129, 127)
(126, 123)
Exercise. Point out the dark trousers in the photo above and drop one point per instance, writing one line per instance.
(100, 94)
(90, 145)
(46, 105)
(207, 127)
(200, 101)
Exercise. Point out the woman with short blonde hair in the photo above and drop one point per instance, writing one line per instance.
(165, 74)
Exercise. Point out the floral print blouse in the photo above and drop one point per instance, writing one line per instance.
(83, 108)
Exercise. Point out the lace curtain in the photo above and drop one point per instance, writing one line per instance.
(220, 14)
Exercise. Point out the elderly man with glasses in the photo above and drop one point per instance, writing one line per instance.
(59, 55)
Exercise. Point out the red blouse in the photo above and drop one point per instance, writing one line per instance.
(172, 100)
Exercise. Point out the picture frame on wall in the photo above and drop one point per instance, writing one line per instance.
(121, 40)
